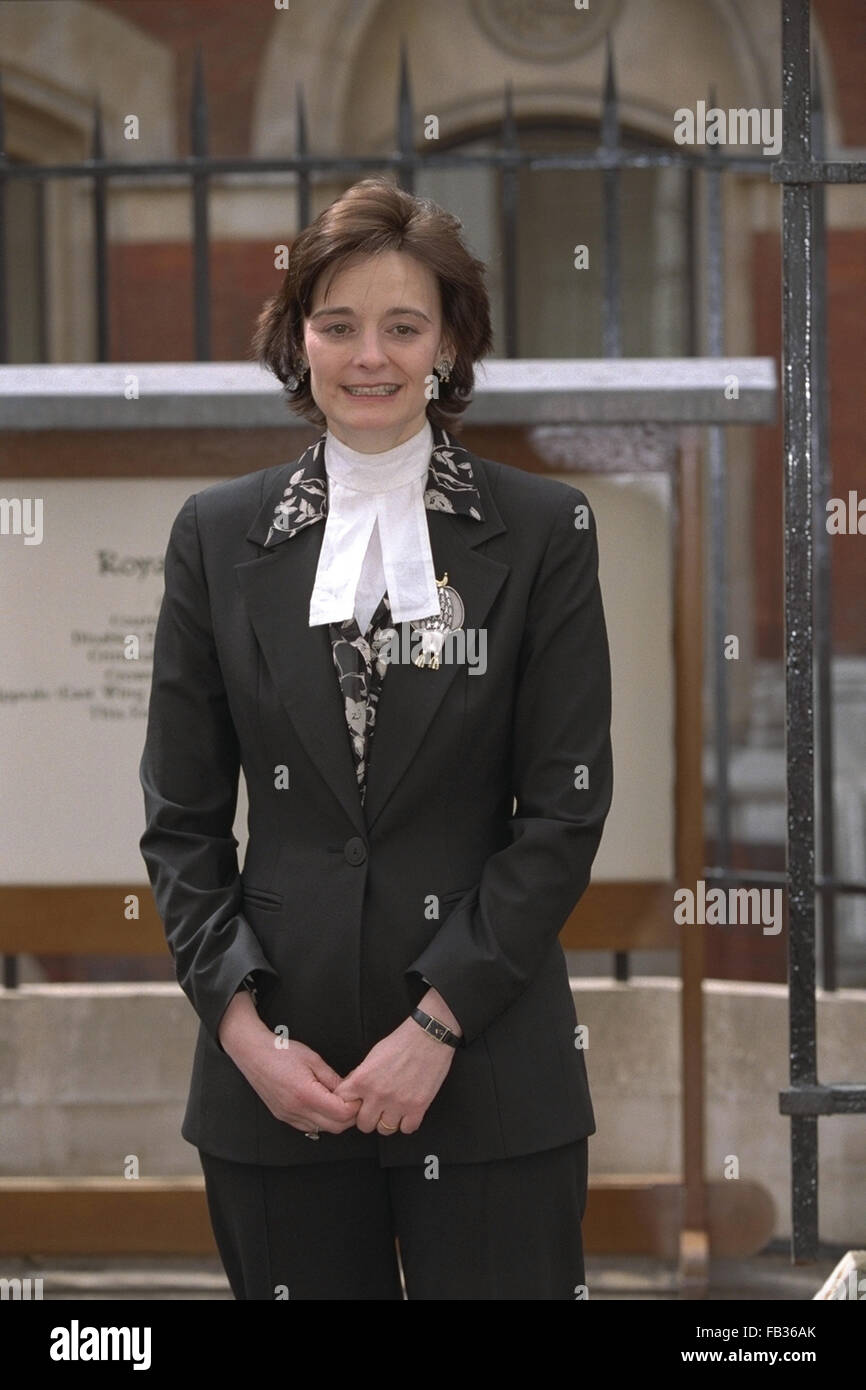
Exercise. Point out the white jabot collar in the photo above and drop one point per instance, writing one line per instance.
(376, 535)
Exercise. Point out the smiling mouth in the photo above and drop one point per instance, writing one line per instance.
(384, 390)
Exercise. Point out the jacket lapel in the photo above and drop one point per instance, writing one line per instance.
(411, 695)
(276, 588)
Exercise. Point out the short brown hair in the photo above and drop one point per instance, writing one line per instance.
(375, 215)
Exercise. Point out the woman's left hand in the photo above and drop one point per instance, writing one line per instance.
(398, 1079)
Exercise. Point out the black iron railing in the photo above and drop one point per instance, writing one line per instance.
(803, 172)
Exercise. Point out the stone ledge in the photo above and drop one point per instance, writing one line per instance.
(70, 1110)
(177, 395)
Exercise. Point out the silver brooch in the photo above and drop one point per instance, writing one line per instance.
(436, 628)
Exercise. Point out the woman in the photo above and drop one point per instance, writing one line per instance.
(403, 645)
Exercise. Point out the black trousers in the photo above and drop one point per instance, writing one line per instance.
(503, 1230)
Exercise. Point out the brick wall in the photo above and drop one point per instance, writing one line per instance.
(152, 299)
(232, 35)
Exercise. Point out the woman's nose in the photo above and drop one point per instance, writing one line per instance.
(370, 350)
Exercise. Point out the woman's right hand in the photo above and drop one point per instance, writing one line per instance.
(295, 1083)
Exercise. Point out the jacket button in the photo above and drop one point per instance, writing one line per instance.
(355, 851)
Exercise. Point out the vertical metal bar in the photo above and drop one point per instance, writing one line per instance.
(405, 140)
(611, 306)
(201, 235)
(822, 483)
(689, 848)
(301, 148)
(804, 1188)
(718, 499)
(611, 325)
(611, 329)
(4, 300)
(797, 409)
(41, 275)
(100, 238)
(509, 223)
(693, 321)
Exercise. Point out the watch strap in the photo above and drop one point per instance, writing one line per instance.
(436, 1028)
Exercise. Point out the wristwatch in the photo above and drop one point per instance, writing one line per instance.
(438, 1030)
(250, 983)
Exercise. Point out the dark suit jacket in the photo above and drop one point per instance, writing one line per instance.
(337, 901)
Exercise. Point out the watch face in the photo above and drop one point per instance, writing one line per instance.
(438, 1030)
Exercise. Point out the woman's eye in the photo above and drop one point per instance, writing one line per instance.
(401, 329)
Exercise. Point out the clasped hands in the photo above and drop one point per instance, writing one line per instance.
(390, 1091)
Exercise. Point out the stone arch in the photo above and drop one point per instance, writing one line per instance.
(58, 57)
(346, 54)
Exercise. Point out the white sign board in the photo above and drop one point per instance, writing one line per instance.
(73, 705)
(635, 544)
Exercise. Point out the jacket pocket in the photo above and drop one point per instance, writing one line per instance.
(263, 898)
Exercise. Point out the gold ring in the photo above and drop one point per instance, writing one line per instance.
(390, 1129)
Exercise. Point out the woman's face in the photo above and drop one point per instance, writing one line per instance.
(380, 326)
